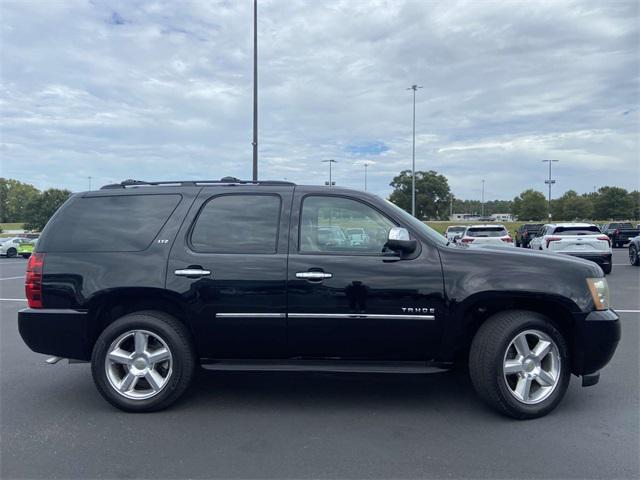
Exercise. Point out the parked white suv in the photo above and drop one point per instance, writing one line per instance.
(494, 235)
(454, 231)
(584, 240)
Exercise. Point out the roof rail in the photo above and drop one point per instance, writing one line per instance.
(192, 183)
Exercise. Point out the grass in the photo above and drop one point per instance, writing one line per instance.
(11, 226)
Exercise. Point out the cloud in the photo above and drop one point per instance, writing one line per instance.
(162, 90)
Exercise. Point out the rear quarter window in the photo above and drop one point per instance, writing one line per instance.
(118, 223)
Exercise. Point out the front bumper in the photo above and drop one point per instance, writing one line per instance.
(596, 338)
(59, 332)
(601, 259)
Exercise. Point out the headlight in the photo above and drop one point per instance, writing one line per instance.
(599, 292)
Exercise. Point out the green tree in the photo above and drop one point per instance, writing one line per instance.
(530, 205)
(42, 208)
(572, 206)
(14, 198)
(635, 204)
(613, 203)
(432, 194)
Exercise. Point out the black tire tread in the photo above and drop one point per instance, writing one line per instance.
(185, 346)
(487, 345)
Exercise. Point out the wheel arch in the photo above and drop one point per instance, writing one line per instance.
(109, 306)
(472, 313)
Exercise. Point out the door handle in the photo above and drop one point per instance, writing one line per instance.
(192, 272)
(313, 275)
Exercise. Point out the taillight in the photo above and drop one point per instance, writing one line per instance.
(507, 239)
(604, 237)
(33, 282)
(467, 240)
(617, 232)
(552, 239)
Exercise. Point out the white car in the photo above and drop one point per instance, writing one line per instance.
(454, 231)
(487, 235)
(9, 246)
(584, 240)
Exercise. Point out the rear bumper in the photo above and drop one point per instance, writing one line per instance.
(59, 332)
(599, 258)
(596, 339)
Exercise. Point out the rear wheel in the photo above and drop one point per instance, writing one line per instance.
(11, 252)
(519, 364)
(633, 255)
(143, 361)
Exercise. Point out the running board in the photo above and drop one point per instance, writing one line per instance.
(338, 366)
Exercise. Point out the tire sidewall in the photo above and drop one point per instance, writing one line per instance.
(181, 363)
(544, 407)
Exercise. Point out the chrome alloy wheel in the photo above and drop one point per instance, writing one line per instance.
(138, 364)
(532, 366)
(633, 255)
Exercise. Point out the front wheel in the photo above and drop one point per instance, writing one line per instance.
(11, 252)
(143, 362)
(519, 364)
(634, 259)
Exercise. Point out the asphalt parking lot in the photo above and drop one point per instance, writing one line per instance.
(54, 424)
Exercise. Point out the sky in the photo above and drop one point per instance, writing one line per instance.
(163, 91)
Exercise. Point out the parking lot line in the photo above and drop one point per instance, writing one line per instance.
(13, 299)
(11, 278)
(627, 311)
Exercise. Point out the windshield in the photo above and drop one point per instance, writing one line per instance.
(455, 229)
(486, 232)
(417, 225)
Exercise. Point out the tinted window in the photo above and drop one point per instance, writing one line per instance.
(238, 224)
(341, 225)
(121, 223)
(621, 225)
(486, 232)
(592, 230)
(455, 229)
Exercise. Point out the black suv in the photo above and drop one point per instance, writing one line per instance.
(526, 232)
(147, 280)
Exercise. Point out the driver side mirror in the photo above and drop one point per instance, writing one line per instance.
(398, 240)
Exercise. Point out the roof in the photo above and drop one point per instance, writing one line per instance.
(192, 183)
(571, 224)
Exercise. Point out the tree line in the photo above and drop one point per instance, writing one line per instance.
(434, 201)
(23, 203)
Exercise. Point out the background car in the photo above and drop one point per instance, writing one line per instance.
(525, 233)
(634, 251)
(9, 246)
(495, 235)
(454, 231)
(25, 249)
(357, 236)
(620, 232)
(583, 240)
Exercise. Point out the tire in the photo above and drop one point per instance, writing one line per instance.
(153, 385)
(12, 252)
(633, 256)
(607, 269)
(493, 346)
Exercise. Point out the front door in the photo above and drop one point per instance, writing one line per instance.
(347, 298)
(229, 265)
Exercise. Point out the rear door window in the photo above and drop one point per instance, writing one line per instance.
(118, 223)
(237, 223)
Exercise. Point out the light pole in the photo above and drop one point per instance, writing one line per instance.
(550, 182)
(366, 164)
(330, 161)
(89, 177)
(483, 198)
(413, 164)
(255, 91)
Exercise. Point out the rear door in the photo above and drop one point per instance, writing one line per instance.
(351, 300)
(229, 264)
